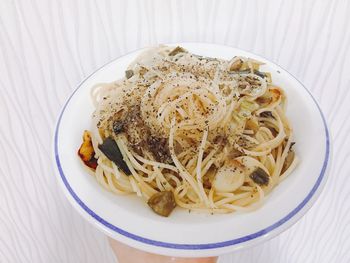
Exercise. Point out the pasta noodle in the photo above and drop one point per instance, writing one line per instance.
(210, 133)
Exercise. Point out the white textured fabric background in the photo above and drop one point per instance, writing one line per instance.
(48, 47)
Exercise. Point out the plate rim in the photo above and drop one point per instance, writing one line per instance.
(270, 231)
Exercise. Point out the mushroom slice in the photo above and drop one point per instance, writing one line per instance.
(162, 203)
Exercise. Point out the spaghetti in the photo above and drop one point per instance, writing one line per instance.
(184, 130)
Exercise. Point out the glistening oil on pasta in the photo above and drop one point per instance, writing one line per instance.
(196, 132)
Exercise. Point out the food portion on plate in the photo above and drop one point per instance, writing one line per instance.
(180, 129)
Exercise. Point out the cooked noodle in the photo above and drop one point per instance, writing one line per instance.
(212, 131)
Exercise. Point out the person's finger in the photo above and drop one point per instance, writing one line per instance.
(126, 254)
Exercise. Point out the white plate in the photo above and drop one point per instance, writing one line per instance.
(129, 219)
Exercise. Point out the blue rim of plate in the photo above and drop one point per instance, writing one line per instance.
(222, 244)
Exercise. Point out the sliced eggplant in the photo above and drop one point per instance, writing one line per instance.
(235, 72)
(129, 73)
(259, 73)
(236, 65)
(208, 178)
(162, 203)
(288, 161)
(110, 148)
(246, 71)
(291, 146)
(267, 114)
(176, 51)
(205, 58)
(260, 177)
(86, 151)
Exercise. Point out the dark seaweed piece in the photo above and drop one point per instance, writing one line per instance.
(260, 177)
(118, 127)
(176, 51)
(110, 148)
(129, 73)
(162, 203)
